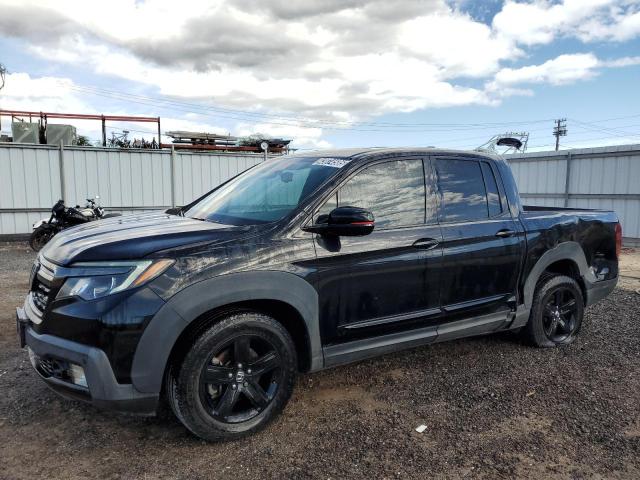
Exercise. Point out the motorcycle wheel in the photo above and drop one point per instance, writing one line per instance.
(40, 236)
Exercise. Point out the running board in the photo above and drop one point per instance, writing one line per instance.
(372, 347)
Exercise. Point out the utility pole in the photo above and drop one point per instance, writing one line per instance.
(560, 130)
(3, 71)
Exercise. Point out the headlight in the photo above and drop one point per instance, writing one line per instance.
(99, 279)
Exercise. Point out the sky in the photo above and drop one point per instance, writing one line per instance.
(333, 73)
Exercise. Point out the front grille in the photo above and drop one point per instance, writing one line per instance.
(40, 295)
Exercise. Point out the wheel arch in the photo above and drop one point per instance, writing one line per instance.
(280, 311)
(567, 258)
(278, 294)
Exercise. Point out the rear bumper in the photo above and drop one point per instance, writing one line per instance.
(596, 291)
(102, 388)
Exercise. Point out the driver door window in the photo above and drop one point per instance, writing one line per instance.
(393, 191)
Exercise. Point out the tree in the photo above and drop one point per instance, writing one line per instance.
(83, 141)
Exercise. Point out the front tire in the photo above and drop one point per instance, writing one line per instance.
(237, 377)
(556, 313)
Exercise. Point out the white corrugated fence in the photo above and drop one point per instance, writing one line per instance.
(602, 178)
(34, 177)
(134, 180)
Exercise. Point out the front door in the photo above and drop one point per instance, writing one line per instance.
(386, 281)
(481, 241)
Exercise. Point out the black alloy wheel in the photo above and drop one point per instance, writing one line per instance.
(236, 373)
(241, 379)
(556, 312)
(559, 314)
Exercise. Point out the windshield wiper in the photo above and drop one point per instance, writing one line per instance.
(205, 220)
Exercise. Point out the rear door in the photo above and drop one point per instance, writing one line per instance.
(481, 242)
(386, 281)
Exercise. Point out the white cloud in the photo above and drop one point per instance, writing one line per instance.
(58, 94)
(561, 70)
(542, 21)
(457, 45)
(22, 92)
(341, 60)
(622, 62)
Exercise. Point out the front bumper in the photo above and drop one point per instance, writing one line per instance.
(102, 390)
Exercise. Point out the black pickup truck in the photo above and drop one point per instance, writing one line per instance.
(302, 263)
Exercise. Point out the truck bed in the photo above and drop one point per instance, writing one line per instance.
(593, 230)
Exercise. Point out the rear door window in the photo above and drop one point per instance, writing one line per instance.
(464, 197)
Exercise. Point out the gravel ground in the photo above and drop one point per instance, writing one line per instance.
(493, 408)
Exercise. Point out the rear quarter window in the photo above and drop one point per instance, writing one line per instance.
(493, 195)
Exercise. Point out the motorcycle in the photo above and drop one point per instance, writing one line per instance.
(64, 217)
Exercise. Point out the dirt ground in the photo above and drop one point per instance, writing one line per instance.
(493, 408)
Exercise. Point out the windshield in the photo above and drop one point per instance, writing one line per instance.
(267, 192)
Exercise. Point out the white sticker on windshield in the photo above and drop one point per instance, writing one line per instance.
(332, 162)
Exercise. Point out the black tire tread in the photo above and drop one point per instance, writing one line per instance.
(180, 392)
(37, 232)
(533, 332)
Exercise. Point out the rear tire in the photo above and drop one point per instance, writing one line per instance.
(41, 236)
(237, 377)
(556, 313)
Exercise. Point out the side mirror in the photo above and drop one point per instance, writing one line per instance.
(344, 221)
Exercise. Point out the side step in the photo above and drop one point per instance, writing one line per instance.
(372, 347)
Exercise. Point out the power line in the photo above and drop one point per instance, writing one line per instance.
(296, 121)
(338, 126)
(613, 130)
(309, 120)
(596, 139)
(586, 131)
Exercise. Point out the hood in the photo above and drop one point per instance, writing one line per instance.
(132, 237)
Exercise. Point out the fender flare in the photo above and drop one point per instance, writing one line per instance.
(563, 251)
(164, 329)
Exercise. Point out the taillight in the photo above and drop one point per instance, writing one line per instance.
(618, 239)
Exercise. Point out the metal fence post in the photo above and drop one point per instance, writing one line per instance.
(567, 180)
(61, 163)
(173, 176)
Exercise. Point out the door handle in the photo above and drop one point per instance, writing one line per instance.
(426, 243)
(505, 233)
